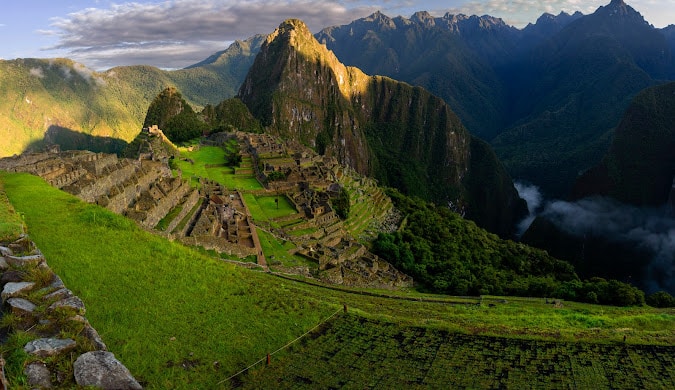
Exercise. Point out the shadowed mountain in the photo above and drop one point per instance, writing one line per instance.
(455, 57)
(640, 165)
(546, 97)
(68, 139)
(618, 226)
(573, 90)
(402, 135)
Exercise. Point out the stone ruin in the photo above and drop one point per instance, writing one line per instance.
(144, 189)
(222, 223)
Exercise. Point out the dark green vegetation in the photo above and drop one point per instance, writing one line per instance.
(341, 204)
(547, 97)
(640, 165)
(170, 313)
(355, 352)
(171, 113)
(447, 254)
(401, 135)
(231, 114)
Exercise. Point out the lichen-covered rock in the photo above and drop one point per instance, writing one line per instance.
(49, 347)
(20, 306)
(60, 294)
(38, 375)
(14, 289)
(101, 369)
(74, 303)
(56, 282)
(24, 261)
(3, 264)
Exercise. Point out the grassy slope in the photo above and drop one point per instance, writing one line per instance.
(141, 291)
(11, 223)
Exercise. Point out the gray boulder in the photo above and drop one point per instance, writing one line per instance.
(14, 289)
(38, 376)
(49, 347)
(101, 369)
(20, 306)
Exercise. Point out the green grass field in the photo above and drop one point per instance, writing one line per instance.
(215, 158)
(179, 319)
(265, 208)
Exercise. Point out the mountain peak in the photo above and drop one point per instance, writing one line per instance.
(618, 9)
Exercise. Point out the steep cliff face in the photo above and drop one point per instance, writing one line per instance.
(402, 135)
(300, 90)
(640, 165)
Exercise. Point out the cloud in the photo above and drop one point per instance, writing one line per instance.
(37, 72)
(648, 229)
(181, 32)
(533, 198)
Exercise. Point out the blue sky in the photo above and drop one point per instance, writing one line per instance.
(172, 34)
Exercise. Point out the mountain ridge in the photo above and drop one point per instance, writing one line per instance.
(400, 134)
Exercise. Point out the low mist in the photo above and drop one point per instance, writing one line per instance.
(651, 230)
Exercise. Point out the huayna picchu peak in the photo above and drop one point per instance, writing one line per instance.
(402, 135)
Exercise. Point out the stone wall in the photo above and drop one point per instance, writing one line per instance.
(101, 186)
(166, 203)
(127, 192)
(49, 317)
(190, 202)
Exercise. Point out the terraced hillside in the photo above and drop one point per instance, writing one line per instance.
(356, 352)
(179, 319)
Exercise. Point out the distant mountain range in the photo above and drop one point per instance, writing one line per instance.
(546, 97)
(47, 101)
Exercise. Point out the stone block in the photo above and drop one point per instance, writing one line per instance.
(14, 289)
(24, 261)
(38, 376)
(73, 302)
(101, 369)
(47, 347)
(21, 307)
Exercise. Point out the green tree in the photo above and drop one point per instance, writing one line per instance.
(341, 204)
(661, 299)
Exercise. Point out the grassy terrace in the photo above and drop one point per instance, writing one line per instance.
(209, 162)
(179, 319)
(265, 208)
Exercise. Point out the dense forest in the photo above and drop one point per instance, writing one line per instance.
(445, 253)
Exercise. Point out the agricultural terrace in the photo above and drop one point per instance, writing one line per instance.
(352, 351)
(266, 208)
(179, 319)
(209, 162)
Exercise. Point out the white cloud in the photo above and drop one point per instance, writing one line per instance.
(37, 72)
(177, 33)
(187, 30)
